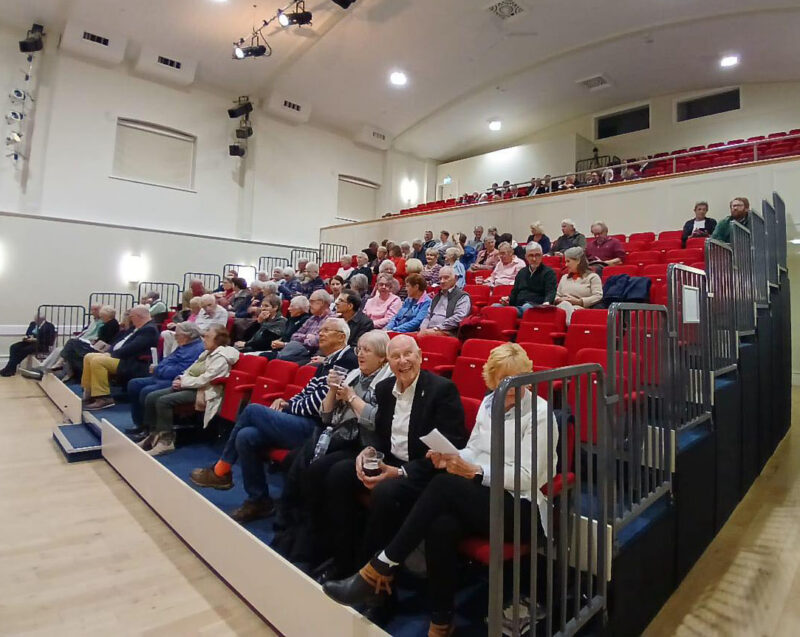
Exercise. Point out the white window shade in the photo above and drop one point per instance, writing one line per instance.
(357, 199)
(152, 154)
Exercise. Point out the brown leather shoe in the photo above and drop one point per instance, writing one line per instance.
(101, 402)
(206, 477)
(440, 630)
(251, 511)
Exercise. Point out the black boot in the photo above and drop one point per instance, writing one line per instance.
(370, 586)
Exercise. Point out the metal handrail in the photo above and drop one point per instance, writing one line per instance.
(741, 242)
(722, 305)
(780, 216)
(760, 257)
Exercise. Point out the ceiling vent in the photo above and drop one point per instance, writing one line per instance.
(288, 108)
(594, 83)
(96, 45)
(374, 137)
(505, 9)
(171, 69)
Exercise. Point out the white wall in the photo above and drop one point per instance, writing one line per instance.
(517, 163)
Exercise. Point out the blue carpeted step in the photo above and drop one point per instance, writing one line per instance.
(77, 442)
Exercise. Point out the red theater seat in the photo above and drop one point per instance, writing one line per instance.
(645, 258)
(670, 235)
(468, 377)
(497, 323)
(438, 350)
(590, 316)
(611, 270)
(546, 325)
(646, 237)
(684, 256)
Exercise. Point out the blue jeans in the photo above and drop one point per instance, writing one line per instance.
(258, 428)
(138, 389)
(521, 309)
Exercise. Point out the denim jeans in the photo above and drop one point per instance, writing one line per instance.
(138, 389)
(259, 428)
(521, 309)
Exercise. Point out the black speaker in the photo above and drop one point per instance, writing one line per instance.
(234, 150)
(240, 111)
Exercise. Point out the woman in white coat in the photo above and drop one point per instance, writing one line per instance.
(194, 386)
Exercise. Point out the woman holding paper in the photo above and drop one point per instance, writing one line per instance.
(455, 504)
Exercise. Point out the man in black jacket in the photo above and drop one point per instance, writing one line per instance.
(410, 406)
(348, 306)
(128, 358)
(534, 285)
(271, 326)
(39, 338)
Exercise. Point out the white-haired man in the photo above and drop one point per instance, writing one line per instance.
(449, 307)
(477, 243)
(570, 238)
(284, 424)
(305, 341)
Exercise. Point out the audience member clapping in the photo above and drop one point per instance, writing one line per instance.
(384, 304)
(449, 307)
(580, 287)
(194, 387)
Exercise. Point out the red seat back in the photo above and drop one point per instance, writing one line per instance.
(233, 395)
(611, 270)
(438, 350)
(684, 256)
(670, 235)
(479, 347)
(647, 237)
(645, 258)
(253, 365)
(471, 407)
(542, 325)
(468, 377)
(497, 323)
(590, 316)
(478, 293)
(303, 375)
(663, 245)
(555, 262)
(585, 336)
(695, 242)
(546, 356)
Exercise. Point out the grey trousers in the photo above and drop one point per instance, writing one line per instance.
(159, 405)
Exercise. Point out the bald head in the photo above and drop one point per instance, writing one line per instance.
(405, 360)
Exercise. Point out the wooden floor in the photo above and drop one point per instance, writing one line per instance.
(81, 554)
(748, 581)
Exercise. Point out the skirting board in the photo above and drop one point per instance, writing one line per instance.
(290, 600)
(67, 401)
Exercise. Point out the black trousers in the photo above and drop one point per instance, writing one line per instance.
(449, 509)
(17, 353)
(73, 352)
(357, 536)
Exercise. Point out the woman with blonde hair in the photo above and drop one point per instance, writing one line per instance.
(455, 504)
(537, 234)
(579, 287)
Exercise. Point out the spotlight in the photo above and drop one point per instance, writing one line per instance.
(299, 16)
(495, 125)
(14, 116)
(14, 137)
(234, 150)
(244, 131)
(344, 4)
(241, 110)
(33, 42)
(241, 52)
(17, 96)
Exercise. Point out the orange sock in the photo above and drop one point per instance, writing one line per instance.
(222, 468)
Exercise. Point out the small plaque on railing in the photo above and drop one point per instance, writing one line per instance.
(691, 304)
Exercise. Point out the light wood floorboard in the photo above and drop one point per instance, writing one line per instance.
(81, 554)
(748, 580)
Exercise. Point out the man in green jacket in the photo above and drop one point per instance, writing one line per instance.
(534, 285)
(740, 212)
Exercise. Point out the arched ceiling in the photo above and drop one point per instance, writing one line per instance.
(465, 65)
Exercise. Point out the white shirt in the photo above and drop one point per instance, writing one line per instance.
(122, 342)
(205, 320)
(699, 224)
(401, 418)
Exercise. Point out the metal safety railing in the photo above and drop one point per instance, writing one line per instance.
(268, 264)
(568, 566)
(722, 305)
(244, 271)
(760, 256)
(329, 252)
(169, 293)
(771, 240)
(120, 301)
(689, 346)
(638, 390)
(741, 242)
(309, 254)
(780, 214)
(67, 319)
(210, 281)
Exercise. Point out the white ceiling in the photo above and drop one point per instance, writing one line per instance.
(465, 65)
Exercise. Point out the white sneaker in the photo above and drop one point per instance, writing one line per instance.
(162, 446)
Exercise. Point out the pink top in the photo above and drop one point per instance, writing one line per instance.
(505, 274)
(192, 318)
(381, 312)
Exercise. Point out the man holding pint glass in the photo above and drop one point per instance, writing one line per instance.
(410, 406)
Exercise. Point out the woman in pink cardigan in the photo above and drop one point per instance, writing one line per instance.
(382, 307)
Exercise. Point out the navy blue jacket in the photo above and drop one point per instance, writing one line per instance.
(134, 355)
(179, 361)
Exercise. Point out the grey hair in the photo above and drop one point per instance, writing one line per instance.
(432, 251)
(321, 295)
(300, 302)
(152, 294)
(602, 225)
(451, 253)
(359, 282)
(312, 266)
(260, 272)
(413, 265)
(505, 245)
(341, 326)
(208, 297)
(109, 309)
(384, 276)
(574, 253)
(258, 284)
(288, 272)
(537, 225)
(377, 340)
(387, 267)
(447, 270)
(269, 287)
(189, 330)
(398, 340)
(405, 244)
(416, 242)
(139, 309)
(701, 203)
(478, 228)
(533, 247)
(568, 221)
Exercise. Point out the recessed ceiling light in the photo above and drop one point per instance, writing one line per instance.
(398, 78)
(495, 124)
(728, 61)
